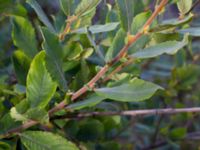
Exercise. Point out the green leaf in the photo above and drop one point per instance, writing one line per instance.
(98, 28)
(23, 32)
(87, 19)
(117, 44)
(99, 53)
(85, 7)
(138, 21)
(66, 6)
(19, 110)
(171, 23)
(193, 31)
(38, 140)
(73, 50)
(42, 16)
(54, 57)
(40, 87)
(87, 53)
(37, 114)
(184, 6)
(126, 13)
(16, 115)
(22, 112)
(92, 101)
(169, 47)
(21, 65)
(136, 90)
(177, 22)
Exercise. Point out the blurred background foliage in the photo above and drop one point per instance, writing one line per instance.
(178, 74)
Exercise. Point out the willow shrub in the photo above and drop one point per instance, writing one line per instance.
(87, 57)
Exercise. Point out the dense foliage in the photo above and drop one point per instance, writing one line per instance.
(73, 74)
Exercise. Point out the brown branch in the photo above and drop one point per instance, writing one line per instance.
(133, 113)
(101, 73)
(67, 29)
(26, 125)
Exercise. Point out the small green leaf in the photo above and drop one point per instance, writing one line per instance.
(37, 114)
(42, 16)
(38, 140)
(87, 53)
(87, 19)
(54, 57)
(184, 6)
(89, 102)
(171, 23)
(97, 49)
(21, 65)
(66, 6)
(169, 47)
(16, 115)
(98, 28)
(19, 110)
(139, 20)
(126, 13)
(23, 32)
(40, 87)
(117, 44)
(73, 50)
(136, 90)
(85, 7)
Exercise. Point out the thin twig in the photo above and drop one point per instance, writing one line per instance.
(101, 73)
(157, 129)
(133, 113)
(67, 29)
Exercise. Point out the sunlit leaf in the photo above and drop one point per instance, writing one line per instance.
(184, 6)
(38, 140)
(40, 87)
(23, 32)
(85, 7)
